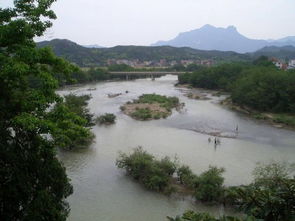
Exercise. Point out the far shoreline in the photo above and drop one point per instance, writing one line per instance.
(267, 117)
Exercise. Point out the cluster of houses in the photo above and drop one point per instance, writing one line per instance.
(136, 63)
(283, 65)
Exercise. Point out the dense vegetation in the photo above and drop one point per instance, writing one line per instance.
(219, 77)
(195, 216)
(83, 76)
(152, 173)
(270, 197)
(266, 89)
(167, 176)
(83, 56)
(33, 183)
(259, 86)
(151, 106)
(106, 119)
(285, 52)
(176, 67)
(72, 119)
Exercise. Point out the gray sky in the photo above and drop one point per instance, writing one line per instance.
(142, 22)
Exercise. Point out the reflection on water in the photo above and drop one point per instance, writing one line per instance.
(103, 192)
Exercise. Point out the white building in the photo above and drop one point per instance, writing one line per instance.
(291, 64)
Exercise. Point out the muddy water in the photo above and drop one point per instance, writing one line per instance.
(103, 192)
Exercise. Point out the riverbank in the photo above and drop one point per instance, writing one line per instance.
(279, 120)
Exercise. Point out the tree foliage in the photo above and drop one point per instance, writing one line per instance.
(271, 196)
(70, 119)
(259, 86)
(209, 185)
(162, 175)
(266, 89)
(219, 77)
(142, 166)
(33, 183)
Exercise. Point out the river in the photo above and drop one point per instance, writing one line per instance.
(104, 192)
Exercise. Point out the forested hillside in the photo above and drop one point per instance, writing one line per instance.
(285, 52)
(83, 56)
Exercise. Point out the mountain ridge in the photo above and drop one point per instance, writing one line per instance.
(84, 56)
(98, 56)
(209, 37)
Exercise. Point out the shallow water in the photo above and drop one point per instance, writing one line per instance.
(103, 192)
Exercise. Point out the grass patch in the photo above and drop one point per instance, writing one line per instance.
(150, 106)
(286, 119)
(164, 101)
(142, 113)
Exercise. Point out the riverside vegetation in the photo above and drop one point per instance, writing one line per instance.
(195, 216)
(73, 120)
(106, 119)
(270, 197)
(259, 88)
(150, 106)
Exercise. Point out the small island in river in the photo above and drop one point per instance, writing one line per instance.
(151, 106)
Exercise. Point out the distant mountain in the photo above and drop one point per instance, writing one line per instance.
(93, 46)
(209, 37)
(284, 52)
(284, 40)
(83, 56)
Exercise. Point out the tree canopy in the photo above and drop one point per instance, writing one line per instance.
(260, 86)
(33, 183)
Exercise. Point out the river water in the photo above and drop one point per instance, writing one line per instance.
(104, 192)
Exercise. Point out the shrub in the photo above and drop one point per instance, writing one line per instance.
(153, 174)
(186, 176)
(209, 185)
(106, 119)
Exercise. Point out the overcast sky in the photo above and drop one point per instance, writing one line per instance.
(142, 22)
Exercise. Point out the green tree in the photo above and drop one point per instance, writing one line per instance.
(263, 61)
(209, 186)
(271, 196)
(33, 183)
(120, 67)
(265, 89)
